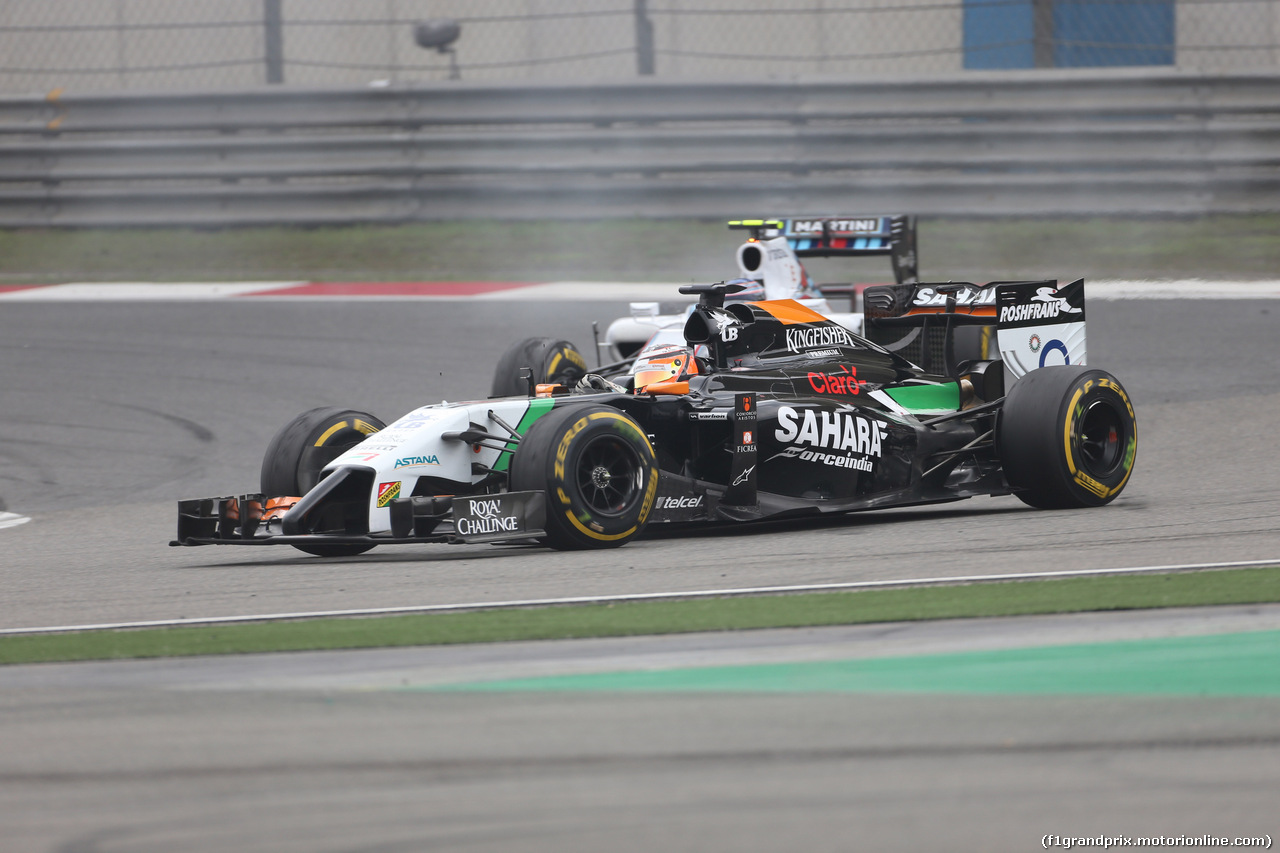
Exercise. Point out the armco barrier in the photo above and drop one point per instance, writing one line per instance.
(1133, 141)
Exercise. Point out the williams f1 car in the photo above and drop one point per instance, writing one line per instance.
(771, 266)
(763, 409)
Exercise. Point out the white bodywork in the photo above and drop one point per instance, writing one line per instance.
(772, 263)
(412, 447)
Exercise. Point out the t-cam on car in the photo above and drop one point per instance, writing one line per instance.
(765, 409)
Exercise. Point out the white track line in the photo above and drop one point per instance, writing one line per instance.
(555, 291)
(1184, 289)
(643, 596)
(587, 291)
(142, 291)
(12, 519)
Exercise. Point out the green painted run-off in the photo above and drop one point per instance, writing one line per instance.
(1243, 664)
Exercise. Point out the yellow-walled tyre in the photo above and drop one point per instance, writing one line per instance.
(300, 450)
(598, 471)
(551, 360)
(1068, 437)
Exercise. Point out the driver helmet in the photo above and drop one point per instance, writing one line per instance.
(668, 364)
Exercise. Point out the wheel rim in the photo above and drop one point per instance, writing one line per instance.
(610, 476)
(1103, 437)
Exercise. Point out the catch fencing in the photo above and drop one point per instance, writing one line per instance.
(1045, 142)
(99, 45)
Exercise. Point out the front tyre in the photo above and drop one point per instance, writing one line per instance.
(552, 361)
(302, 448)
(598, 471)
(1068, 437)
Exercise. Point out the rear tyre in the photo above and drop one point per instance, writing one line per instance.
(552, 361)
(598, 471)
(301, 449)
(1068, 437)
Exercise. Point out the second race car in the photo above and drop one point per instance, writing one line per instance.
(771, 266)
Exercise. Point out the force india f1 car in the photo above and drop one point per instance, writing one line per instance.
(764, 410)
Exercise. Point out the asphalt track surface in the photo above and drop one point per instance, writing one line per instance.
(110, 412)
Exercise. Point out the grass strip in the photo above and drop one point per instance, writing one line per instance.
(675, 250)
(1007, 598)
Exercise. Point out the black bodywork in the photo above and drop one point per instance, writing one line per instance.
(822, 433)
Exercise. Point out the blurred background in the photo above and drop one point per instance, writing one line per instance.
(147, 44)
(386, 139)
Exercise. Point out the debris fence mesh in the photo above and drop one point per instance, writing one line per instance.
(80, 45)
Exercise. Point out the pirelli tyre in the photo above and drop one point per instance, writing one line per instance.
(300, 450)
(1067, 437)
(552, 361)
(598, 471)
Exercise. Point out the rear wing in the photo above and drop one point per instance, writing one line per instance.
(1037, 323)
(908, 303)
(844, 236)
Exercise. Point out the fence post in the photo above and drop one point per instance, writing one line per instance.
(644, 38)
(1042, 34)
(273, 38)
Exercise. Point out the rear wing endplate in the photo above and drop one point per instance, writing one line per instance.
(1040, 324)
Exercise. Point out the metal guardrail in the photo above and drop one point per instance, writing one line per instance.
(1019, 143)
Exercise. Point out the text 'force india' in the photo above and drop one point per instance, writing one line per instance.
(766, 410)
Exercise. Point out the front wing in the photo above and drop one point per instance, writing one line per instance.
(251, 519)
